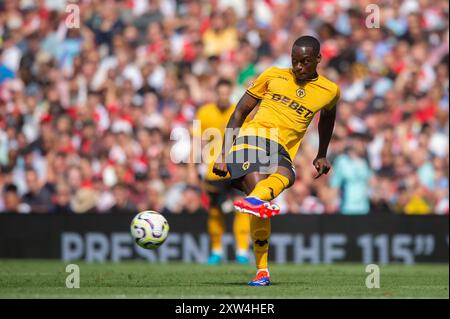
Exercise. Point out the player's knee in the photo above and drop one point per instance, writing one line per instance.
(288, 174)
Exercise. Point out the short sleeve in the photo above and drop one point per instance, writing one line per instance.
(334, 101)
(199, 117)
(258, 87)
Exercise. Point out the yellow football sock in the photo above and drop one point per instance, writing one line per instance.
(271, 187)
(241, 229)
(260, 230)
(267, 189)
(216, 228)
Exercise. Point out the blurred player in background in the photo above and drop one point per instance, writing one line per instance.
(215, 116)
(260, 159)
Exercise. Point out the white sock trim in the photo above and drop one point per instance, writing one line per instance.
(242, 252)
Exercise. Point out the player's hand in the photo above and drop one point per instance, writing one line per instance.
(322, 166)
(220, 167)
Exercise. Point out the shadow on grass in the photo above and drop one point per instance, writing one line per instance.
(244, 283)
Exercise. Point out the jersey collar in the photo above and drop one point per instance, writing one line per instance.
(311, 80)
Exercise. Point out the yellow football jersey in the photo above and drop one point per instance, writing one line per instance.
(287, 107)
(211, 117)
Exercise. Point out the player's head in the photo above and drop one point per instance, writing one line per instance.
(223, 91)
(11, 197)
(305, 57)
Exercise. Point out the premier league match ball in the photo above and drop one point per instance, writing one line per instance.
(149, 229)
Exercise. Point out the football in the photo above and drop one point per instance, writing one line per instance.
(149, 229)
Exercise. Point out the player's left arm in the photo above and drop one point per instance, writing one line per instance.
(326, 126)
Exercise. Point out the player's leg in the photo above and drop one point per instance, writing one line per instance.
(276, 165)
(241, 230)
(215, 222)
(216, 229)
(241, 227)
(272, 186)
(260, 234)
(266, 190)
(260, 189)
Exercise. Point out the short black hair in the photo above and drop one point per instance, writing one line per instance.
(11, 188)
(309, 42)
(223, 81)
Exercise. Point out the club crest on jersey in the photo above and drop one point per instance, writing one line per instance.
(301, 93)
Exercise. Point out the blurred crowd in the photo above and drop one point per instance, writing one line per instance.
(97, 99)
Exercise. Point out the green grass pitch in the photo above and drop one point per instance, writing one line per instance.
(46, 279)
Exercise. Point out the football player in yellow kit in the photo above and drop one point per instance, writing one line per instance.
(259, 157)
(215, 116)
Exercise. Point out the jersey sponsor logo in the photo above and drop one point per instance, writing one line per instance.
(301, 93)
(246, 165)
(297, 107)
(282, 77)
(251, 84)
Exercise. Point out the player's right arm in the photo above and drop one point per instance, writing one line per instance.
(244, 107)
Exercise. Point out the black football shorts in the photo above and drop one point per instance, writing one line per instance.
(256, 154)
